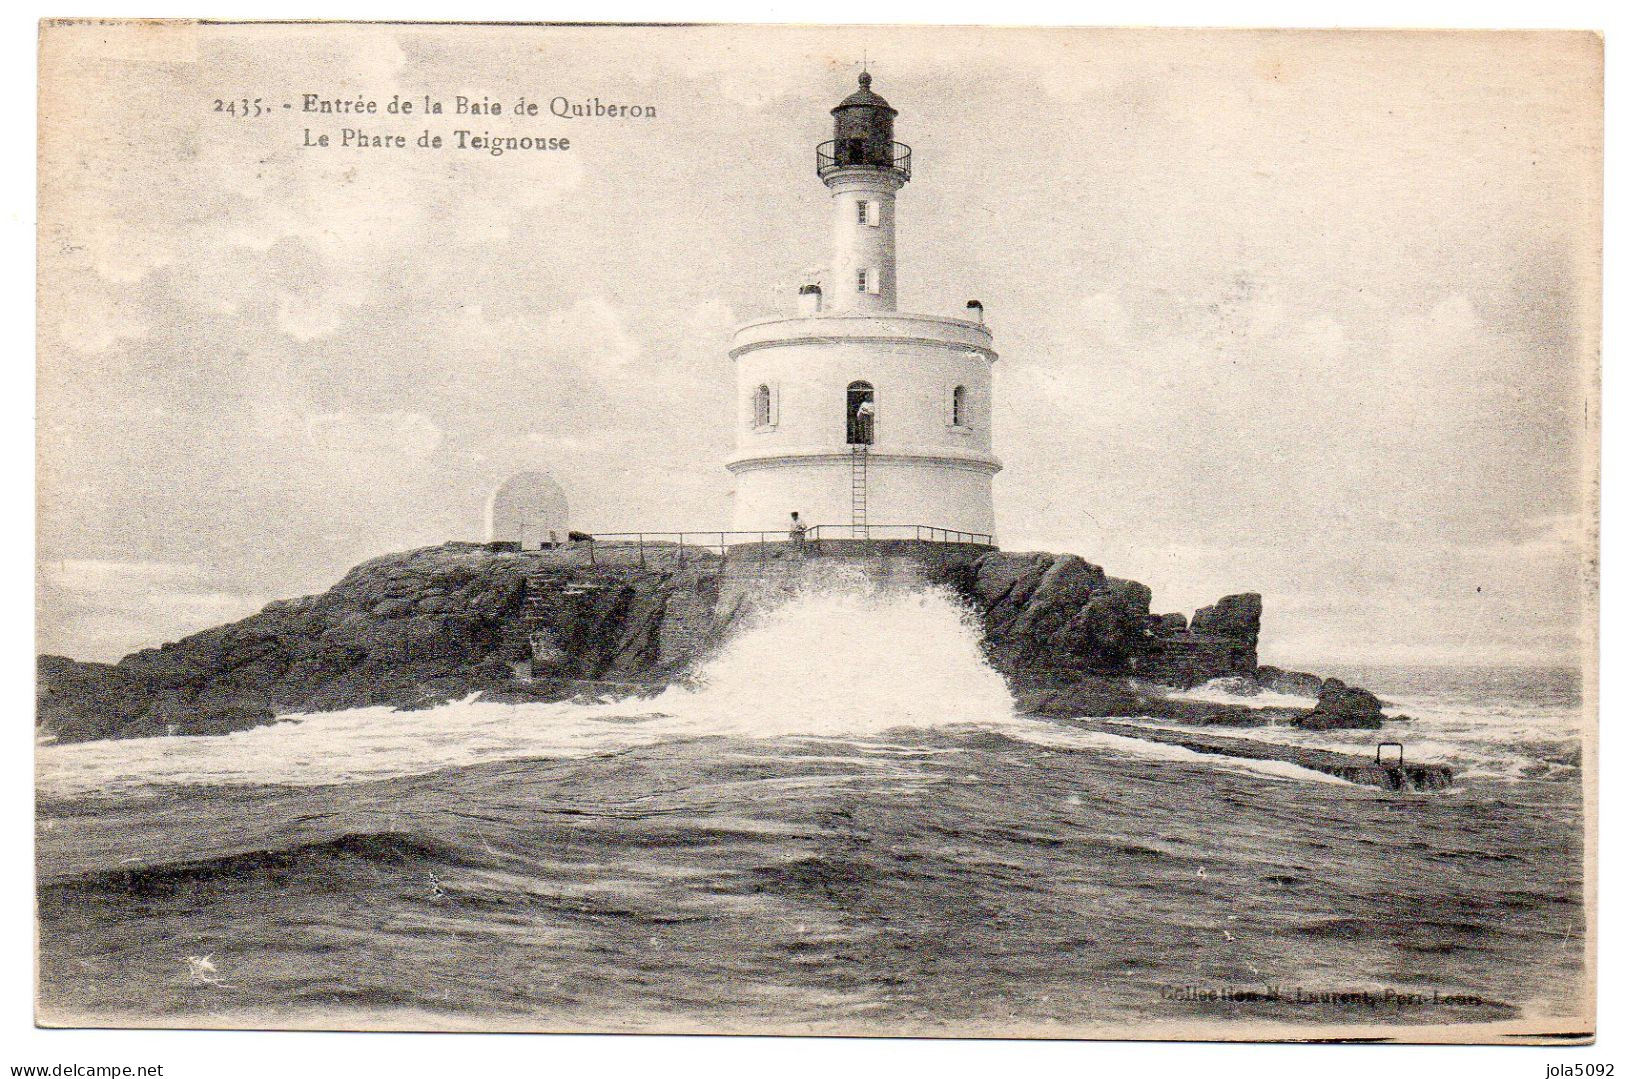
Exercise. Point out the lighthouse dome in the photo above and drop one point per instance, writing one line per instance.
(863, 134)
(865, 98)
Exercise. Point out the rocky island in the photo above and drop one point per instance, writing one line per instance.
(436, 624)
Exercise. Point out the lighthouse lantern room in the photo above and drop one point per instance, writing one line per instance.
(862, 420)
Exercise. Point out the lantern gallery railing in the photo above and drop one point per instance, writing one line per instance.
(681, 545)
(864, 154)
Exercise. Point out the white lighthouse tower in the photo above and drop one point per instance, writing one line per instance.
(866, 422)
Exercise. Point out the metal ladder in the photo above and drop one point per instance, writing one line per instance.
(860, 492)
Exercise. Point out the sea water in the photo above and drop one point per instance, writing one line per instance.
(841, 824)
(1487, 723)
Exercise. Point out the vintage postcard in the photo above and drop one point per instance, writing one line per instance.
(938, 531)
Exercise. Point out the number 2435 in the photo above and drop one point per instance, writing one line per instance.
(243, 107)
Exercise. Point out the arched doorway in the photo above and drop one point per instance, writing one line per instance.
(860, 414)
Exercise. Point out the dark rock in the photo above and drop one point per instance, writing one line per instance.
(1236, 617)
(1294, 683)
(1086, 696)
(78, 702)
(1343, 707)
(1106, 695)
(1046, 613)
(1356, 768)
(1035, 610)
(1111, 624)
(1238, 717)
(436, 624)
(221, 719)
(365, 641)
(1236, 685)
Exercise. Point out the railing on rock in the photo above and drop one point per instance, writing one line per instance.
(921, 533)
(685, 544)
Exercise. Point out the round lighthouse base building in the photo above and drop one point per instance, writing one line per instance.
(865, 425)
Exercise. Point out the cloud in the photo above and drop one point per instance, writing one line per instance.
(103, 243)
(385, 434)
(107, 577)
(94, 323)
(306, 321)
(1421, 601)
(591, 333)
(104, 609)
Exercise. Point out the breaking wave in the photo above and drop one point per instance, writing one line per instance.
(842, 660)
(849, 660)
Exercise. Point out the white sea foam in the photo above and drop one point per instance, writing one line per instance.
(844, 660)
(1231, 691)
(1504, 736)
(1057, 737)
(1505, 739)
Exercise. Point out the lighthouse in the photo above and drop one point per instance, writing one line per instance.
(866, 422)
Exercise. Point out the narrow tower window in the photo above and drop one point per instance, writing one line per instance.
(961, 408)
(863, 280)
(860, 414)
(863, 211)
(764, 406)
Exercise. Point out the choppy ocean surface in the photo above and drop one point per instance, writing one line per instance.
(841, 826)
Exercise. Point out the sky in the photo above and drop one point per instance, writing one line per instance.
(1312, 314)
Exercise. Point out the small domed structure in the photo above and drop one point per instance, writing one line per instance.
(528, 509)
